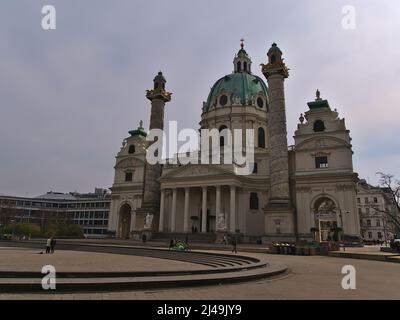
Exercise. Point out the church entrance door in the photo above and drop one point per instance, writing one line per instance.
(125, 221)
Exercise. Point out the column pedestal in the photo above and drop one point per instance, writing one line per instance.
(279, 223)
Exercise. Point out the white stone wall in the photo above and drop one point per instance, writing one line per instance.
(128, 192)
(337, 182)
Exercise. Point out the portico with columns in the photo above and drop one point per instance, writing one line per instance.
(193, 205)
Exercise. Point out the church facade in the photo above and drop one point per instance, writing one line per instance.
(302, 192)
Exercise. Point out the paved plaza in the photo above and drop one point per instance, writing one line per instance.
(23, 259)
(309, 277)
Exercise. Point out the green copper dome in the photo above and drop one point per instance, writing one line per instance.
(241, 85)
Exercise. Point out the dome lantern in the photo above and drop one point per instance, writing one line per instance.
(242, 61)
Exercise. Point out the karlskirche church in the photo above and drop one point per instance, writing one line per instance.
(302, 192)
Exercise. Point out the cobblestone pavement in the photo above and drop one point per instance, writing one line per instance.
(309, 278)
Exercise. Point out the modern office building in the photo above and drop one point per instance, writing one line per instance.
(89, 210)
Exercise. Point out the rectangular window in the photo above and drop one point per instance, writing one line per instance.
(359, 211)
(253, 201)
(366, 200)
(367, 210)
(378, 222)
(358, 200)
(368, 223)
(128, 176)
(370, 235)
(375, 200)
(321, 162)
(255, 168)
(380, 235)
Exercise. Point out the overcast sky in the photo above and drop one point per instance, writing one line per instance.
(68, 97)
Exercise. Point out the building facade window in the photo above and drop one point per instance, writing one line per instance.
(319, 126)
(128, 176)
(378, 222)
(321, 162)
(260, 102)
(255, 168)
(223, 100)
(253, 201)
(131, 149)
(261, 138)
(222, 135)
(368, 223)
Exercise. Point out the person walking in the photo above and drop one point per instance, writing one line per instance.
(48, 245)
(234, 245)
(52, 245)
(171, 244)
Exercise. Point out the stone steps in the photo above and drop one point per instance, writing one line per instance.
(221, 268)
(197, 237)
(94, 284)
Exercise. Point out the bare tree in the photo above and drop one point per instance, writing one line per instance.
(391, 187)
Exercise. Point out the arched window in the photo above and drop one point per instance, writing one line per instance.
(222, 135)
(131, 149)
(245, 66)
(260, 102)
(156, 85)
(239, 66)
(253, 201)
(273, 58)
(261, 137)
(319, 126)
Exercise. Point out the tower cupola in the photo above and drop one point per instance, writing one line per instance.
(242, 61)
